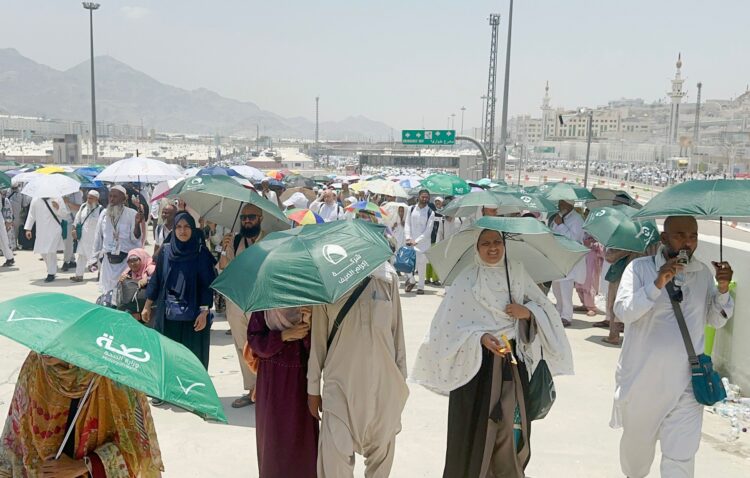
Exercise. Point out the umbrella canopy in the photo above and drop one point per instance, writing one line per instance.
(322, 178)
(86, 181)
(249, 172)
(563, 192)
(410, 182)
(278, 175)
(445, 184)
(220, 199)
(367, 206)
(217, 171)
(309, 265)
(53, 169)
(611, 197)
(509, 188)
(20, 178)
(162, 189)
(310, 195)
(138, 170)
(505, 203)
(545, 255)
(705, 199)
(5, 181)
(88, 171)
(51, 186)
(387, 188)
(298, 181)
(110, 343)
(304, 217)
(614, 228)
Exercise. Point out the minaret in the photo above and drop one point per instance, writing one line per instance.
(676, 95)
(545, 110)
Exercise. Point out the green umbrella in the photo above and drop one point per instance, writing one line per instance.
(504, 202)
(484, 182)
(563, 192)
(611, 197)
(112, 344)
(5, 181)
(445, 184)
(508, 188)
(220, 199)
(613, 227)
(704, 199)
(545, 255)
(315, 264)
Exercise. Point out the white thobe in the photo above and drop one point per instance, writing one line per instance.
(653, 395)
(418, 228)
(6, 217)
(572, 228)
(271, 196)
(88, 217)
(114, 240)
(364, 372)
(48, 232)
(331, 212)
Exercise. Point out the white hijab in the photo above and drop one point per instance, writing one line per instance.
(451, 352)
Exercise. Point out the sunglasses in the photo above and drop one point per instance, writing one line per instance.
(249, 217)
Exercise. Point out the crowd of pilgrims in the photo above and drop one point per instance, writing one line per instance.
(319, 399)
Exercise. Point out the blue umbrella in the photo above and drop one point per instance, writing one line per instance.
(217, 171)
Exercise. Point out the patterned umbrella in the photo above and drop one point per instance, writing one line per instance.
(304, 217)
(367, 206)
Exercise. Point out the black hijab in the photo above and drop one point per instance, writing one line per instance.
(180, 251)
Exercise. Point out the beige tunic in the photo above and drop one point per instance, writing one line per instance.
(365, 370)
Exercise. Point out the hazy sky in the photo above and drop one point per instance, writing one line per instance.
(399, 61)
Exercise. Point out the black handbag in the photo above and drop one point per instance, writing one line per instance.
(116, 258)
(542, 392)
(130, 296)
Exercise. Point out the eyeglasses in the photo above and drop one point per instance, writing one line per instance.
(249, 217)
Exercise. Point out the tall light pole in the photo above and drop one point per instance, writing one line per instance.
(504, 120)
(463, 109)
(91, 6)
(590, 114)
(453, 121)
(484, 99)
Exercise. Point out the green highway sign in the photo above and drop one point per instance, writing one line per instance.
(428, 136)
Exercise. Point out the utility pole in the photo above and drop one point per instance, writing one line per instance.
(481, 128)
(463, 109)
(489, 119)
(317, 125)
(504, 120)
(453, 121)
(588, 147)
(90, 6)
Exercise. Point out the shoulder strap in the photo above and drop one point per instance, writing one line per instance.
(90, 213)
(683, 326)
(54, 216)
(236, 242)
(345, 310)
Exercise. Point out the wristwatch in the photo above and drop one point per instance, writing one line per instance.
(204, 308)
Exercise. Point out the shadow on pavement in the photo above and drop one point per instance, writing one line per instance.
(597, 339)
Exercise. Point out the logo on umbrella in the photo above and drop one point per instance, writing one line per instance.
(334, 253)
(526, 199)
(196, 180)
(187, 391)
(126, 356)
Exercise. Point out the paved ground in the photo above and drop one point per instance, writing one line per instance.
(573, 441)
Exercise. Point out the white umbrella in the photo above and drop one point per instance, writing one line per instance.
(388, 188)
(251, 173)
(50, 186)
(138, 170)
(162, 189)
(25, 177)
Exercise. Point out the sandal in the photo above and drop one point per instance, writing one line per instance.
(602, 324)
(243, 401)
(609, 341)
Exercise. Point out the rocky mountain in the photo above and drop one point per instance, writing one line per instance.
(126, 95)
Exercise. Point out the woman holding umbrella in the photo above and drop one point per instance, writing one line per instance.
(180, 287)
(113, 434)
(485, 337)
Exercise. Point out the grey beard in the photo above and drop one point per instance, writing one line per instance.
(114, 212)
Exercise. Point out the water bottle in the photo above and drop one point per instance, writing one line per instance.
(682, 258)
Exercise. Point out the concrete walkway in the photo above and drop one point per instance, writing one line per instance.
(573, 441)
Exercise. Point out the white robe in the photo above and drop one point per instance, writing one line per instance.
(451, 352)
(331, 212)
(88, 232)
(653, 369)
(48, 232)
(418, 227)
(572, 228)
(109, 240)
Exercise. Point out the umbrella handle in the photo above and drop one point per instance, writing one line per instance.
(75, 418)
(507, 272)
(236, 216)
(721, 239)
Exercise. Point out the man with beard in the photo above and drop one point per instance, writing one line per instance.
(165, 228)
(84, 231)
(570, 224)
(117, 233)
(654, 398)
(251, 218)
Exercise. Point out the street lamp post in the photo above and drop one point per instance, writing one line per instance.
(463, 109)
(504, 122)
(590, 114)
(91, 6)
